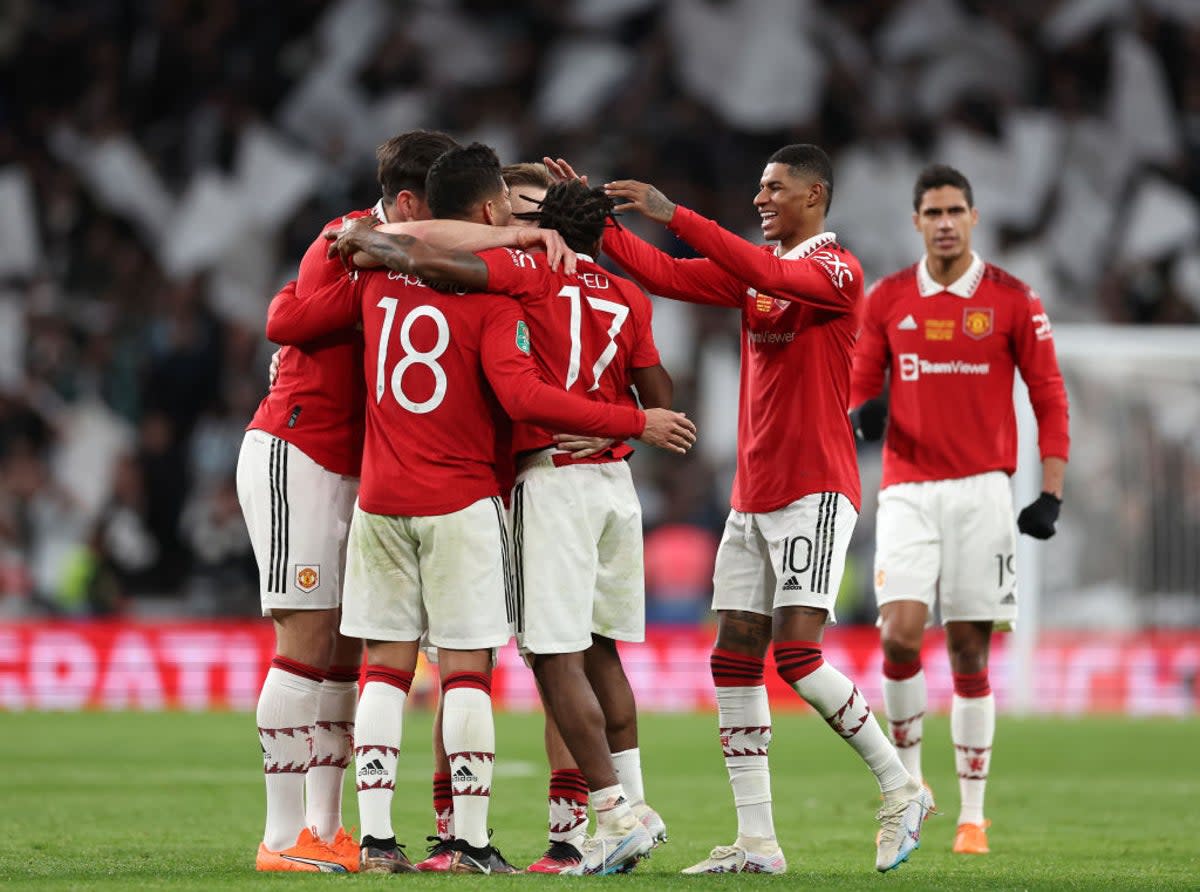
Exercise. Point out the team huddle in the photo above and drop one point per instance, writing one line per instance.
(441, 464)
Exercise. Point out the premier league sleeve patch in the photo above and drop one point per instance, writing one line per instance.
(308, 577)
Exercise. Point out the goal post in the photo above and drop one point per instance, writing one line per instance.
(1127, 553)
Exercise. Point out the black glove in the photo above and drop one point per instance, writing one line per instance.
(1037, 518)
(870, 419)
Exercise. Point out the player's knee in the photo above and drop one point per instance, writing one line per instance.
(900, 640)
(900, 653)
(968, 660)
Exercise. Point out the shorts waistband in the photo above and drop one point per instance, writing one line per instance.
(551, 457)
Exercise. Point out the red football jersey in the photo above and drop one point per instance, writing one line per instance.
(799, 317)
(951, 353)
(589, 330)
(441, 371)
(317, 401)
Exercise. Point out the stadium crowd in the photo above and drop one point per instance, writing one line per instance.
(145, 146)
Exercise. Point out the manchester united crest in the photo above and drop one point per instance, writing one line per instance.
(308, 577)
(977, 323)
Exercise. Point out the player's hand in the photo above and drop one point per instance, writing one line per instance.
(557, 252)
(1037, 519)
(562, 171)
(351, 239)
(641, 197)
(870, 419)
(668, 430)
(273, 369)
(582, 447)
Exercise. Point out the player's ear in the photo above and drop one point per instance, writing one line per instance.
(405, 205)
(916, 221)
(974, 216)
(489, 212)
(816, 195)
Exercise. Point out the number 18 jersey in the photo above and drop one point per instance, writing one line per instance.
(589, 329)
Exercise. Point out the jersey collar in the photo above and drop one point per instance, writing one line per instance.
(379, 212)
(584, 257)
(808, 246)
(964, 286)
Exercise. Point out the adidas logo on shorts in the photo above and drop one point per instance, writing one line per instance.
(792, 584)
(1010, 598)
(371, 769)
(465, 775)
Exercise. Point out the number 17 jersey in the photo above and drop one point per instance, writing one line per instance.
(588, 329)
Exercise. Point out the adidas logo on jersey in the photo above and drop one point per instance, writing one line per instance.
(792, 584)
(908, 323)
(465, 775)
(371, 769)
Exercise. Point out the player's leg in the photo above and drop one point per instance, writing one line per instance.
(619, 614)
(567, 802)
(972, 728)
(558, 516)
(333, 745)
(908, 551)
(383, 606)
(305, 619)
(439, 853)
(979, 593)
(607, 677)
(742, 602)
(379, 726)
(569, 698)
(808, 541)
(463, 562)
(902, 628)
(286, 718)
(333, 736)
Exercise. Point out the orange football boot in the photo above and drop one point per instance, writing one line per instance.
(971, 839)
(308, 855)
(346, 849)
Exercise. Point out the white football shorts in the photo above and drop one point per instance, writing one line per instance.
(949, 539)
(577, 544)
(445, 575)
(298, 516)
(791, 557)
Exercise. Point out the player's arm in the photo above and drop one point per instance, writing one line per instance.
(527, 398)
(654, 386)
(697, 281)
(406, 254)
(824, 282)
(1033, 351)
(872, 356)
(448, 235)
(294, 320)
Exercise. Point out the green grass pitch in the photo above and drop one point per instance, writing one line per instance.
(174, 801)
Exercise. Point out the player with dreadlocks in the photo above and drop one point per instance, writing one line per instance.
(576, 517)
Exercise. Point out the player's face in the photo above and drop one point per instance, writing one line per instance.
(524, 200)
(502, 208)
(945, 222)
(781, 201)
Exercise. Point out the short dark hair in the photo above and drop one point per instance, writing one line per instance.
(576, 212)
(404, 160)
(527, 173)
(807, 160)
(461, 178)
(935, 176)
